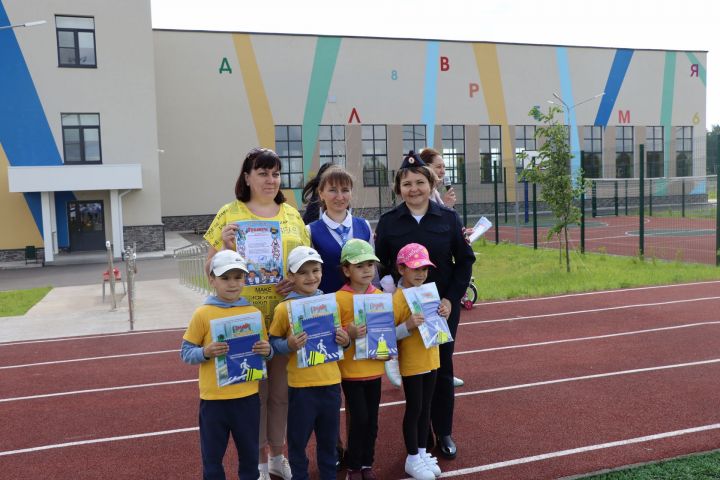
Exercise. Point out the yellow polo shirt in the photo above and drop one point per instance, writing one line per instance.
(349, 367)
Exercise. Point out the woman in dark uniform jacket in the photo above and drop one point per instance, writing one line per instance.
(440, 230)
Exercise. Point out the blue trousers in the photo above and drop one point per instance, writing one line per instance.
(313, 409)
(220, 418)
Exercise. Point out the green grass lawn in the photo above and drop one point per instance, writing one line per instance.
(18, 302)
(695, 467)
(509, 271)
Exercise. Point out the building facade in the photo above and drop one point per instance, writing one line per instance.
(176, 111)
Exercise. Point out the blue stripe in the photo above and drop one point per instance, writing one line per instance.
(432, 67)
(619, 68)
(567, 95)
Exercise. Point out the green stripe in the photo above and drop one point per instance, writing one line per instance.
(701, 68)
(326, 52)
(668, 93)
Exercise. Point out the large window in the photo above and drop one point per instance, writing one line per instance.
(81, 137)
(453, 151)
(684, 151)
(490, 152)
(524, 141)
(374, 153)
(414, 138)
(332, 144)
(624, 148)
(592, 145)
(288, 145)
(655, 152)
(76, 41)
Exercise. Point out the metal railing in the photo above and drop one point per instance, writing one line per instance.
(191, 263)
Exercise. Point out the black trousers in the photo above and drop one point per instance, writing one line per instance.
(416, 421)
(443, 403)
(362, 402)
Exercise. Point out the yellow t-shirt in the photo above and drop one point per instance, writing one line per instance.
(198, 332)
(413, 357)
(292, 233)
(349, 367)
(315, 376)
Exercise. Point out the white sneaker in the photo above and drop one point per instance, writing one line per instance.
(418, 469)
(432, 464)
(264, 476)
(392, 370)
(280, 467)
(458, 382)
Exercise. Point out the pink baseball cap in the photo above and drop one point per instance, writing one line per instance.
(414, 255)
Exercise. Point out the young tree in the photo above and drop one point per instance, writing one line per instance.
(551, 170)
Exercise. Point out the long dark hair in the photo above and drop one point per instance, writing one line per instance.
(257, 158)
(310, 189)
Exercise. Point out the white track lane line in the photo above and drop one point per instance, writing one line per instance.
(575, 451)
(96, 390)
(87, 359)
(582, 339)
(591, 310)
(90, 337)
(600, 292)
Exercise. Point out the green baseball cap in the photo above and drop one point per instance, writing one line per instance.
(357, 251)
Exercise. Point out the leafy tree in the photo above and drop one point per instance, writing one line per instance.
(551, 170)
(713, 148)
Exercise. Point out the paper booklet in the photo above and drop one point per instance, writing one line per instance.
(318, 317)
(376, 312)
(482, 226)
(240, 364)
(259, 243)
(426, 300)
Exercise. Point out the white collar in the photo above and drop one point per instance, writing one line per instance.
(347, 222)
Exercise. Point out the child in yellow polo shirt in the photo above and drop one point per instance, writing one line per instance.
(234, 408)
(361, 379)
(313, 392)
(418, 365)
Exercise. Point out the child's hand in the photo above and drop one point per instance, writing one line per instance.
(215, 349)
(342, 338)
(262, 347)
(356, 332)
(415, 320)
(228, 235)
(445, 308)
(296, 342)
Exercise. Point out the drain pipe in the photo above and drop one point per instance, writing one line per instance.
(120, 208)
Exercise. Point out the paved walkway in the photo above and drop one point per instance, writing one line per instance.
(80, 310)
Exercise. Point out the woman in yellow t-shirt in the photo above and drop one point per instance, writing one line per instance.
(259, 199)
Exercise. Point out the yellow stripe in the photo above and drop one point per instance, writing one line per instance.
(489, 70)
(19, 226)
(255, 90)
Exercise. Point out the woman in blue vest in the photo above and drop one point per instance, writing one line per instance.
(336, 225)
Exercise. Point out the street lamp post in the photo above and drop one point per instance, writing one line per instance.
(20, 25)
(568, 107)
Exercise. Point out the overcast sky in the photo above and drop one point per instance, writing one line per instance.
(659, 24)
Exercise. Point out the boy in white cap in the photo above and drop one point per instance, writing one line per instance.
(314, 392)
(235, 408)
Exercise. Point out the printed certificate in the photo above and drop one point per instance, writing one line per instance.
(318, 317)
(375, 311)
(259, 243)
(425, 299)
(240, 364)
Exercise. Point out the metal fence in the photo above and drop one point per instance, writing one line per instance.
(191, 264)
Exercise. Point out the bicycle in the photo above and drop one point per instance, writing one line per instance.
(468, 300)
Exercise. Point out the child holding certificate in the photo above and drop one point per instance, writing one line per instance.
(313, 391)
(234, 408)
(361, 379)
(418, 365)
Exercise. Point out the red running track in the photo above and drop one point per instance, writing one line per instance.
(554, 387)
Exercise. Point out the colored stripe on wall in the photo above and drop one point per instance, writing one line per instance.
(20, 227)
(702, 72)
(666, 109)
(619, 68)
(488, 67)
(432, 68)
(566, 94)
(255, 90)
(326, 53)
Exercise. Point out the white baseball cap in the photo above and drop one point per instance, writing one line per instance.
(226, 260)
(299, 255)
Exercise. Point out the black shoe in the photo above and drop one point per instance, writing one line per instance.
(447, 447)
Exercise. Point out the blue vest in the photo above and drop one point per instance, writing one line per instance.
(329, 249)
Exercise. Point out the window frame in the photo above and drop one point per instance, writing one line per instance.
(287, 174)
(591, 162)
(453, 160)
(334, 158)
(81, 130)
(75, 32)
(487, 173)
(655, 158)
(418, 141)
(683, 141)
(378, 160)
(622, 150)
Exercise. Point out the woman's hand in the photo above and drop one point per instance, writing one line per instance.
(445, 308)
(215, 349)
(467, 232)
(262, 347)
(284, 287)
(449, 198)
(415, 320)
(296, 342)
(228, 236)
